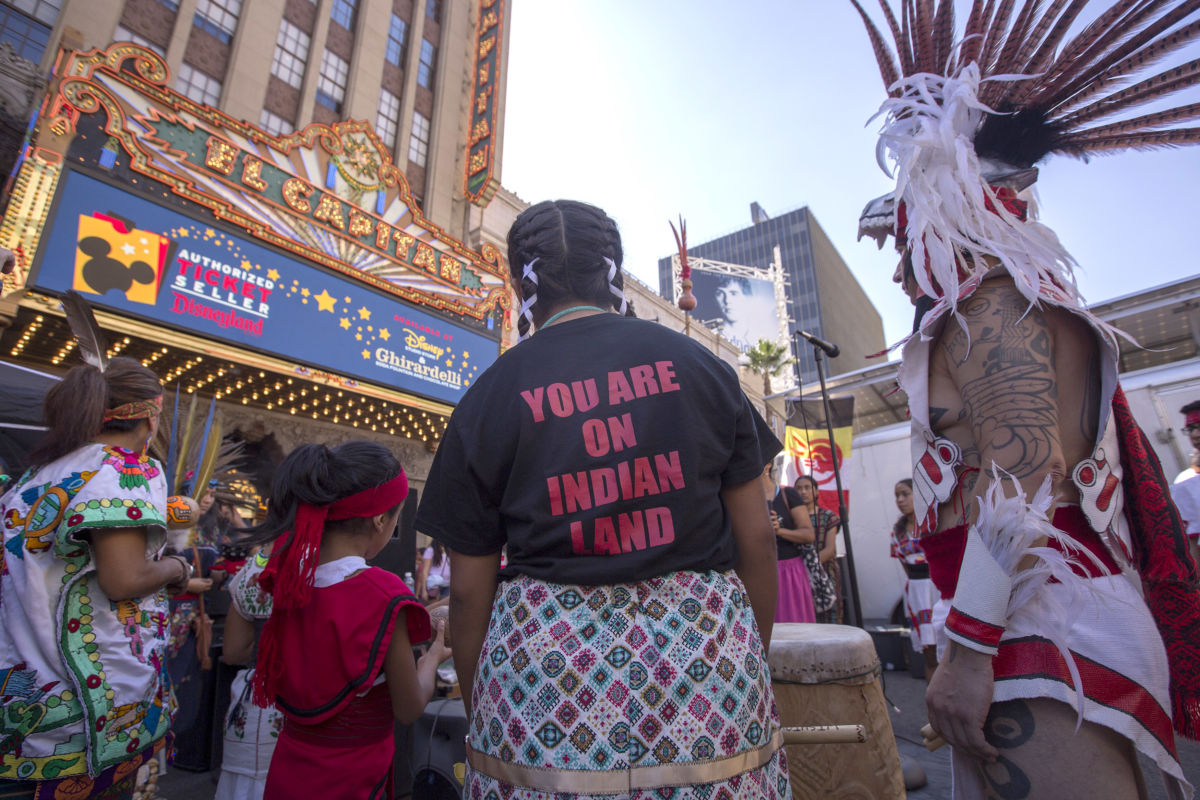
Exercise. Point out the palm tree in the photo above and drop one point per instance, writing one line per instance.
(770, 359)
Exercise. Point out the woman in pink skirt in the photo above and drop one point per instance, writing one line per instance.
(793, 528)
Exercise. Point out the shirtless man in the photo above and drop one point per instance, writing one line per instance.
(1067, 589)
(1018, 389)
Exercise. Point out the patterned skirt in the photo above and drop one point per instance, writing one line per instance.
(652, 689)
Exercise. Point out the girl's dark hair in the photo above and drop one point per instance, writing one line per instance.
(811, 480)
(314, 474)
(906, 481)
(439, 553)
(570, 241)
(74, 407)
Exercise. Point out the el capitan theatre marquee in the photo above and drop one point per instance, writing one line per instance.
(305, 253)
(134, 256)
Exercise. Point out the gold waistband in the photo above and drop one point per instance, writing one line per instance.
(623, 781)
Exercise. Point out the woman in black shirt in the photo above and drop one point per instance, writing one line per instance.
(618, 463)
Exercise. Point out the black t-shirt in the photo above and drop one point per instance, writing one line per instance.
(596, 451)
(783, 548)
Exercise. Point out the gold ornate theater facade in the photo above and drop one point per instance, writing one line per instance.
(293, 277)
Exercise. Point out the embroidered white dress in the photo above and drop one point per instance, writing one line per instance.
(84, 684)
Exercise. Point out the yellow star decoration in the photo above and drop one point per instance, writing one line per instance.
(345, 323)
(358, 336)
(273, 274)
(385, 334)
(246, 265)
(366, 353)
(184, 234)
(325, 301)
(364, 313)
(304, 291)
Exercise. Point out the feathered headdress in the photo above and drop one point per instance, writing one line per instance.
(969, 115)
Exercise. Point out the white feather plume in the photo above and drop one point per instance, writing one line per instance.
(928, 138)
(1011, 528)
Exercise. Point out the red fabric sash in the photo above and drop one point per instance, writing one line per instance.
(288, 577)
(1166, 568)
(944, 550)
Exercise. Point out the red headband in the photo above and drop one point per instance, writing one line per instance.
(290, 573)
(1191, 418)
(138, 409)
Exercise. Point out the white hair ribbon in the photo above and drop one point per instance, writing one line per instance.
(529, 302)
(613, 288)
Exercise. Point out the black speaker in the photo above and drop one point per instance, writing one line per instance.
(399, 555)
(438, 744)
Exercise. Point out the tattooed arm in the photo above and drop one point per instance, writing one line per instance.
(1002, 366)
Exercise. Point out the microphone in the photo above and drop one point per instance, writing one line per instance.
(831, 350)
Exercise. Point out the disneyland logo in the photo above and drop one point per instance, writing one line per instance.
(224, 319)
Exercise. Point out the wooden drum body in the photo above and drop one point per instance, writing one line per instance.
(829, 675)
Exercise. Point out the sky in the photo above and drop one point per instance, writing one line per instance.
(655, 108)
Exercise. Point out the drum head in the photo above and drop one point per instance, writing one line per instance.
(814, 653)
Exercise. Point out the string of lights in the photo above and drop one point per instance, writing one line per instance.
(46, 339)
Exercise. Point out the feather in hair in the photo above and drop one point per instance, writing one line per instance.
(943, 34)
(92, 344)
(1135, 56)
(1147, 140)
(1143, 124)
(972, 43)
(903, 50)
(995, 36)
(1128, 34)
(1073, 57)
(923, 37)
(1150, 89)
(1044, 55)
(883, 57)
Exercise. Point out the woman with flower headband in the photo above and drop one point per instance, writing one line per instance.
(84, 698)
(335, 657)
(620, 651)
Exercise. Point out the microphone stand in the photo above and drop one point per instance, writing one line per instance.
(837, 476)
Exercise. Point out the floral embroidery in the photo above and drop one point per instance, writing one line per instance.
(136, 470)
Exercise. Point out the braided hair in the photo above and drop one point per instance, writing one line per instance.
(563, 250)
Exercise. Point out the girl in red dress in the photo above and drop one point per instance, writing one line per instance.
(336, 654)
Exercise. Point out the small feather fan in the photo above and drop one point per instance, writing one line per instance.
(92, 345)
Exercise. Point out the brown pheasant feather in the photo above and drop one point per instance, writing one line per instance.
(903, 50)
(1122, 64)
(1145, 124)
(1153, 140)
(1160, 85)
(973, 33)
(887, 67)
(1071, 60)
(995, 36)
(1005, 64)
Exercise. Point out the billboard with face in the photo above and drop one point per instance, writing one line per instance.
(741, 309)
